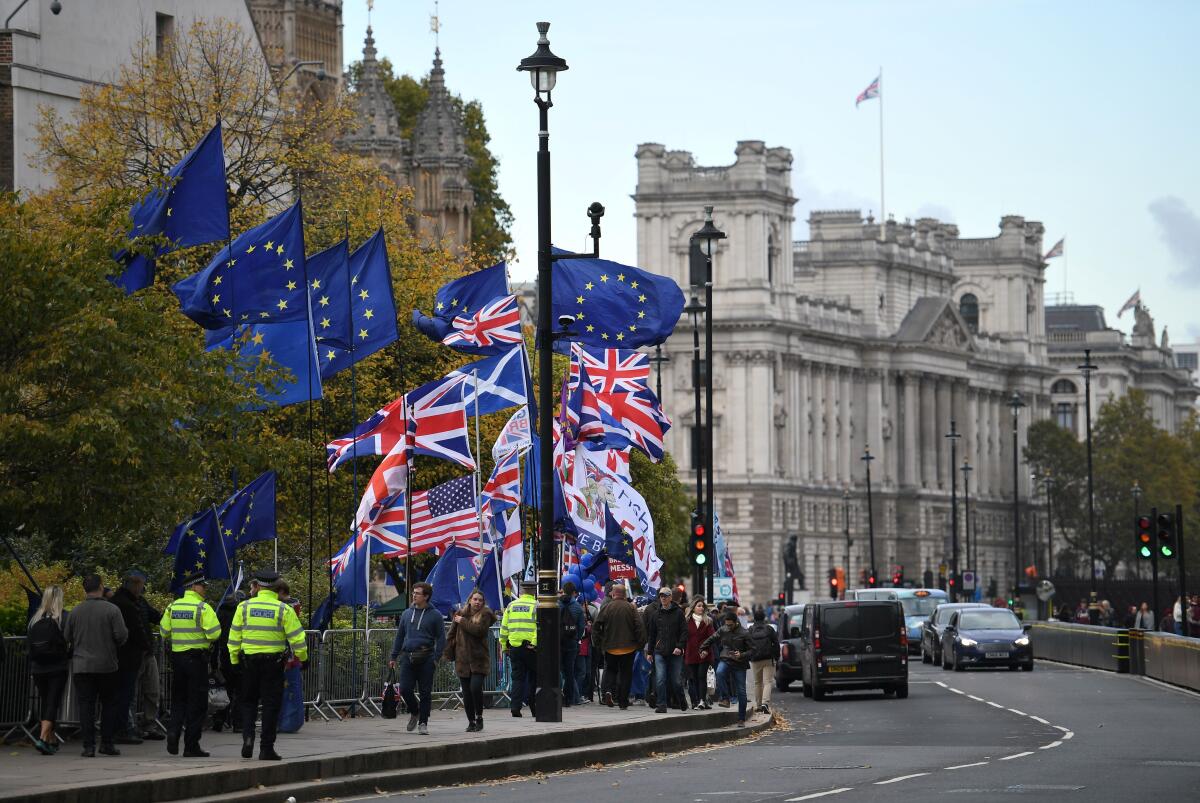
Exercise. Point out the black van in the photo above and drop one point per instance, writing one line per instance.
(854, 645)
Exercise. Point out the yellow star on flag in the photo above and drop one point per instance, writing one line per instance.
(363, 295)
(362, 333)
(316, 284)
(324, 302)
(279, 250)
(282, 305)
(604, 277)
(325, 324)
(579, 299)
(216, 299)
(369, 314)
(287, 264)
(250, 250)
(291, 285)
(329, 355)
(588, 286)
(270, 244)
(216, 280)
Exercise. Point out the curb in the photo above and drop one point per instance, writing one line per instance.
(404, 768)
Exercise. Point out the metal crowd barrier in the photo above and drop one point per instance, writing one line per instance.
(16, 689)
(311, 676)
(341, 669)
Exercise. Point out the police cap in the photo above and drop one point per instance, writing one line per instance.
(195, 580)
(265, 577)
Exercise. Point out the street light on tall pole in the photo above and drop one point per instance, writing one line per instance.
(1048, 481)
(1015, 403)
(867, 458)
(705, 240)
(953, 436)
(846, 529)
(1087, 369)
(694, 310)
(966, 472)
(543, 68)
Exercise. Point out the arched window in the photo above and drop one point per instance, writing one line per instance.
(1064, 386)
(770, 259)
(968, 307)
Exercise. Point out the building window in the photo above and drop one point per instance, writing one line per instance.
(771, 259)
(1188, 361)
(164, 29)
(1064, 386)
(968, 307)
(1064, 415)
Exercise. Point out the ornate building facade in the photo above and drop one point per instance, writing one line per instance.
(865, 335)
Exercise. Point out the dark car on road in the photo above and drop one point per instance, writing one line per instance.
(854, 645)
(788, 668)
(986, 637)
(931, 629)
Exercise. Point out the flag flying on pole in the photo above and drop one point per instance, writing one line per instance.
(513, 559)
(515, 435)
(379, 434)
(349, 569)
(352, 302)
(872, 91)
(614, 305)
(1132, 303)
(389, 479)
(288, 345)
(1056, 251)
(460, 299)
(453, 579)
(438, 420)
(487, 582)
(443, 514)
(503, 488)
(498, 381)
(200, 550)
(494, 326)
(190, 208)
(388, 529)
(326, 273)
(259, 278)
(639, 417)
(249, 514)
(611, 370)
(724, 566)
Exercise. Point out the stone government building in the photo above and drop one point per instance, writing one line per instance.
(864, 334)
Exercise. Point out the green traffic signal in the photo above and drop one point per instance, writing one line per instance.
(1145, 552)
(1167, 552)
(701, 559)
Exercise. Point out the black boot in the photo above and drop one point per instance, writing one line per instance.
(247, 747)
(173, 742)
(479, 723)
(268, 754)
(194, 752)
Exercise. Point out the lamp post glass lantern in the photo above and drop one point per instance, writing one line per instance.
(1015, 403)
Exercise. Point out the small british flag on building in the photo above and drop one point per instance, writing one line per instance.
(872, 91)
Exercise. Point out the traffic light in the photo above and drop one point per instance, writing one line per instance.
(898, 576)
(833, 584)
(871, 579)
(699, 542)
(779, 600)
(1145, 541)
(1164, 526)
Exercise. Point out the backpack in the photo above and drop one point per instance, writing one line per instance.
(46, 642)
(762, 639)
(567, 620)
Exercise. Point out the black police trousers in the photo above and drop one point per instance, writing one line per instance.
(262, 681)
(189, 695)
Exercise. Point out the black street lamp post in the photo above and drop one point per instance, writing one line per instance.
(846, 530)
(966, 472)
(658, 359)
(1015, 403)
(867, 458)
(1048, 481)
(1087, 368)
(695, 309)
(706, 240)
(953, 436)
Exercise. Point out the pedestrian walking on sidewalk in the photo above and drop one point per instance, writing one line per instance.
(735, 659)
(420, 641)
(695, 660)
(264, 631)
(666, 638)
(763, 655)
(48, 663)
(619, 634)
(1144, 618)
(94, 631)
(467, 647)
(518, 640)
(583, 662)
(144, 710)
(132, 653)
(573, 626)
(191, 626)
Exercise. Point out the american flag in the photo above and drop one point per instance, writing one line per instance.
(613, 370)
(872, 91)
(439, 420)
(642, 418)
(1057, 250)
(377, 435)
(443, 514)
(497, 322)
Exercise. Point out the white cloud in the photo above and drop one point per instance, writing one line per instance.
(1179, 228)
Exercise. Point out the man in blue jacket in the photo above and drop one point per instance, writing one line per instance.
(573, 626)
(419, 643)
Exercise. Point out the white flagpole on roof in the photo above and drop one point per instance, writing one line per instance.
(882, 202)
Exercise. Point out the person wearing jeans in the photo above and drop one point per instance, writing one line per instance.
(666, 639)
(619, 634)
(95, 630)
(420, 640)
(573, 627)
(735, 659)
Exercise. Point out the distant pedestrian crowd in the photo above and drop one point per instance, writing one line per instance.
(1141, 617)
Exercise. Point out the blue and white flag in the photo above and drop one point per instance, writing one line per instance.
(497, 382)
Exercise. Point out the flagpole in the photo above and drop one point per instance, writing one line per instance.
(882, 197)
(478, 460)
(328, 523)
(353, 386)
(411, 457)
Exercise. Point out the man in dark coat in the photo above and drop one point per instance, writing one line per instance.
(666, 639)
(133, 652)
(619, 633)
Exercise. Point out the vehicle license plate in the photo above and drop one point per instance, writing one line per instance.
(996, 655)
(843, 668)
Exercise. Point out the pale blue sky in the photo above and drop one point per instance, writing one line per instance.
(1078, 114)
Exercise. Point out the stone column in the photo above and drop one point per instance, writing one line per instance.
(804, 414)
(831, 424)
(909, 428)
(928, 433)
(818, 398)
(971, 401)
(942, 427)
(847, 413)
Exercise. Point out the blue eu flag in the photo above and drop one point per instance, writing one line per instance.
(354, 313)
(249, 514)
(452, 578)
(259, 278)
(615, 305)
(190, 208)
(286, 345)
(462, 296)
(200, 550)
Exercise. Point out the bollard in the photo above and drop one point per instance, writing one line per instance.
(1122, 656)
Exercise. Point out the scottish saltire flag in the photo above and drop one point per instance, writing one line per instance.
(612, 370)
(258, 279)
(497, 382)
(438, 419)
(353, 302)
(512, 561)
(190, 208)
(453, 579)
(872, 91)
(288, 345)
(514, 437)
(614, 305)
(462, 297)
(494, 326)
(249, 514)
(640, 416)
(379, 434)
(502, 491)
(200, 550)
(1056, 250)
(389, 479)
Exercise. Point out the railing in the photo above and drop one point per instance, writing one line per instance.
(346, 670)
(1162, 656)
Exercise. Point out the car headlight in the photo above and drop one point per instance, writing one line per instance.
(1023, 641)
(967, 642)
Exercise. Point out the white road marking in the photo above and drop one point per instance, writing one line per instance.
(994, 705)
(1018, 713)
(956, 691)
(1015, 755)
(815, 795)
(943, 685)
(973, 697)
(1038, 719)
(901, 778)
(1067, 734)
(964, 766)
(1061, 728)
(1048, 746)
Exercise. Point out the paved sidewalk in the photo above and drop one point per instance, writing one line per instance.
(24, 771)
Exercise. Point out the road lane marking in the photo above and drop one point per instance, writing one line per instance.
(1061, 728)
(1038, 719)
(956, 691)
(1015, 755)
(943, 685)
(964, 766)
(1018, 713)
(1068, 734)
(815, 795)
(901, 778)
(1048, 746)
(973, 697)
(994, 705)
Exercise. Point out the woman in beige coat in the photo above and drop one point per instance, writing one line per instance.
(467, 647)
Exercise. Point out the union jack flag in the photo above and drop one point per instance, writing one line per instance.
(377, 435)
(497, 322)
(614, 370)
(389, 479)
(582, 410)
(439, 420)
(388, 530)
(503, 489)
(872, 91)
(1057, 251)
(642, 418)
